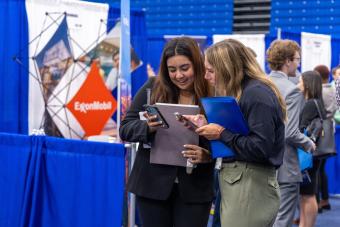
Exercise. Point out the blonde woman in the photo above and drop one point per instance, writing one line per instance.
(248, 184)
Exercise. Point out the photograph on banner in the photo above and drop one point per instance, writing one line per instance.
(106, 55)
(52, 62)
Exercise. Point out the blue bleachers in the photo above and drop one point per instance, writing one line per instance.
(190, 17)
(319, 16)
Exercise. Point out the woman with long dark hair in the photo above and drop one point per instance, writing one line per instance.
(310, 84)
(167, 195)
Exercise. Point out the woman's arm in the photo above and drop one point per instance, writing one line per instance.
(264, 118)
(260, 141)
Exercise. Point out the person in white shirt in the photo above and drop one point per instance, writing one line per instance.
(112, 78)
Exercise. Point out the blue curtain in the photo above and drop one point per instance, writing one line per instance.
(139, 43)
(293, 36)
(155, 47)
(13, 77)
(56, 182)
(335, 52)
(268, 39)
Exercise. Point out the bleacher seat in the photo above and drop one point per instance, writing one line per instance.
(310, 16)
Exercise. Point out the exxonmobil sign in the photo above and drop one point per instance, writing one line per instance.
(93, 104)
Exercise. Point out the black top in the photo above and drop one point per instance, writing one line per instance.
(156, 181)
(265, 142)
(310, 112)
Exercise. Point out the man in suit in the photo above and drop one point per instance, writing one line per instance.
(284, 59)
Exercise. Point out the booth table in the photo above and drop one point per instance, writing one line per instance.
(46, 181)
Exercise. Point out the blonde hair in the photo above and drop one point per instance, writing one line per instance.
(232, 62)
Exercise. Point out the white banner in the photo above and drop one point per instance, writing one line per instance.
(255, 42)
(52, 85)
(315, 50)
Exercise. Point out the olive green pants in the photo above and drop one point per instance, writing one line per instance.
(250, 195)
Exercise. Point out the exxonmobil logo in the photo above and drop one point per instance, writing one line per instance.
(93, 106)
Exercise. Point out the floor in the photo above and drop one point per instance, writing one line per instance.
(330, 218)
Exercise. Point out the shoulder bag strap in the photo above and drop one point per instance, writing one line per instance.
(317, 107)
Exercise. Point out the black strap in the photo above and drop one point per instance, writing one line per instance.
(317, 107)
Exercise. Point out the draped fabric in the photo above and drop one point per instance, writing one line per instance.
(335, 44)
(47, 181)
(13, 77)
(155, 47)
(293, 36)
(268, 39)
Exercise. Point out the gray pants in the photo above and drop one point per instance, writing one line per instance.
(289, 201)
(250, 195)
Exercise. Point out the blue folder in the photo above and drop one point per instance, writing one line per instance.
(305, 160)
(225, 112)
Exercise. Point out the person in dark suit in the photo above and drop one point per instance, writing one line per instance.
(249, 178)
(166, 195)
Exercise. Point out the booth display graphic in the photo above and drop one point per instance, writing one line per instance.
(315, 50)
(70, 58)
(60, 32)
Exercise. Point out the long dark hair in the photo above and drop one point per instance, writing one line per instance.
(164, 90)
(312, 84)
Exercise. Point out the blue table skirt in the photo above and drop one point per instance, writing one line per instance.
(47, 181)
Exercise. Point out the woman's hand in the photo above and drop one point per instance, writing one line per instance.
(313, 147)
(196, 154)
(210, 131)
(152, 123)
(198, 119)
